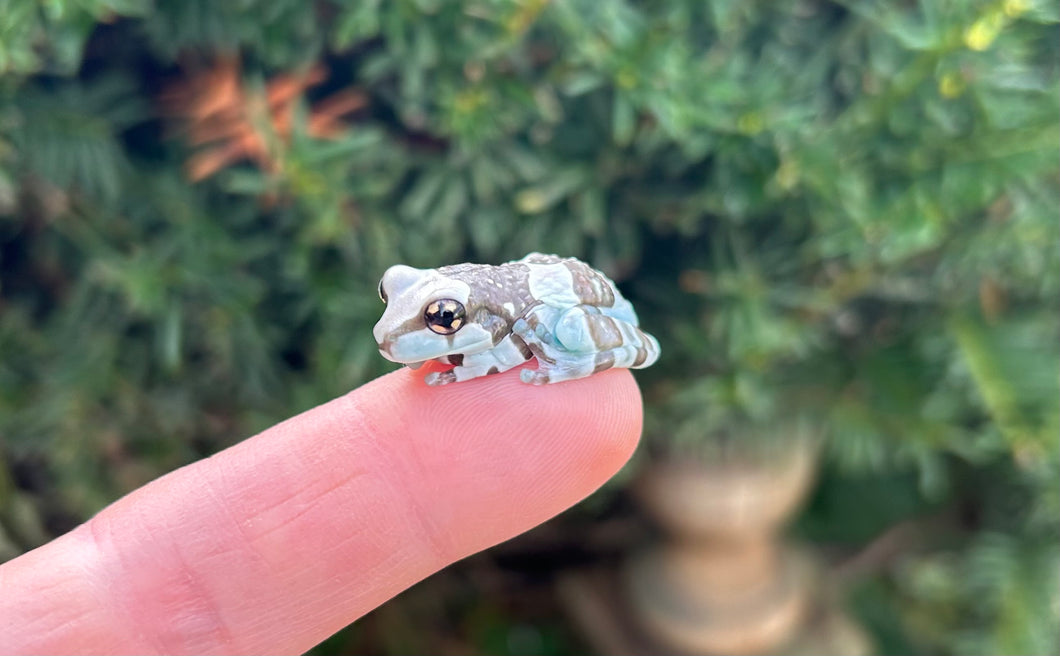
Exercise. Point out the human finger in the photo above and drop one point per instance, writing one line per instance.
(281, 540)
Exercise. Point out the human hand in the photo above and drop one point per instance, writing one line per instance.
(281, 540)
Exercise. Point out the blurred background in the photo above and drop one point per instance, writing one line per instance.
(840, 218)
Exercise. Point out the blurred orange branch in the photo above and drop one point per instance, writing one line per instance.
(225, 120)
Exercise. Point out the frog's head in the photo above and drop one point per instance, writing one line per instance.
(427, 316)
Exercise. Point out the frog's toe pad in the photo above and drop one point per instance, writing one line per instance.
(531, 377)
(440, 378)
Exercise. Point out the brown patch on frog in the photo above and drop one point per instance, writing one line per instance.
(492, 370)
(410, 326)
(590, 286)
(496, 325)
(491, 288)
(605, 331)
(524, 350)
(604, 361)
(642, 355)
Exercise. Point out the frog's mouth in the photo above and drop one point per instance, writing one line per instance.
(384, 350)
(445, 361)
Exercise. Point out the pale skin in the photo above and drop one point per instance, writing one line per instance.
(281, 540)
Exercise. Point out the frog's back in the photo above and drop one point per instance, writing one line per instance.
(540, 278)
(574, 282)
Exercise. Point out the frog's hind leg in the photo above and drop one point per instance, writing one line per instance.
(586, 341)
(582, 365)
(586, 329)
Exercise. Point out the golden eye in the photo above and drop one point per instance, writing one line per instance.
(444, 316)
(382, 293)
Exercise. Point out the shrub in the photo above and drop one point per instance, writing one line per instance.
(835, 215)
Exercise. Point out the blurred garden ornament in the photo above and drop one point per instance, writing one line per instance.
(721, 582)
(229, 122)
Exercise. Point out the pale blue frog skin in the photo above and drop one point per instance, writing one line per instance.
(487, 319)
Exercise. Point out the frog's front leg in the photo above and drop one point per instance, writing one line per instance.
(534, 331)
(506, 354)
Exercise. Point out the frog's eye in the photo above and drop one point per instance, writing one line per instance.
(444, 316)
(382, 293)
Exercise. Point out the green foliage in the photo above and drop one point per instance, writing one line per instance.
(50, 36)
(282, 32)
(997, 597)
(838, 217)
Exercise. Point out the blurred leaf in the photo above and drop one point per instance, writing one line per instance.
(1014, 369)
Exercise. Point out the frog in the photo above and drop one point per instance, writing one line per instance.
(486, 319)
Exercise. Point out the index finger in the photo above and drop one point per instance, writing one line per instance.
(276, 543)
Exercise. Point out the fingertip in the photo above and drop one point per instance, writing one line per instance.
(509, 455)
(606, 408)
(622, 417)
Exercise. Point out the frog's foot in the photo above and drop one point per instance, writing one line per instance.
(465, 372)
(436, 378)
(571, 367)
(531, 345)
(531, 377)
(507, 353)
